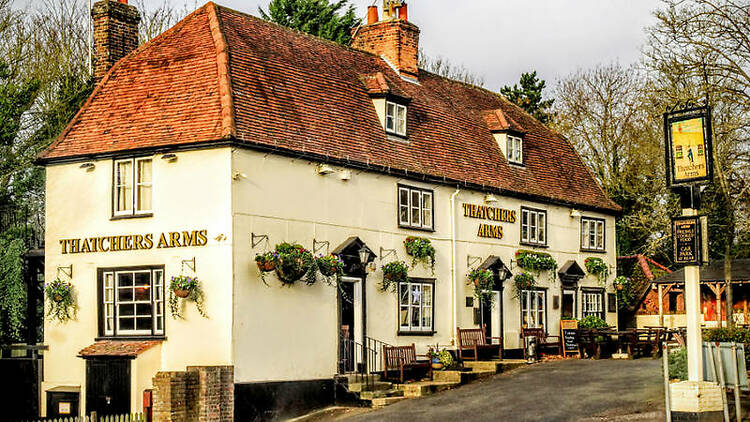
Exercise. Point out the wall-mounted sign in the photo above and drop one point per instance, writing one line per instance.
(63, 408)
(484, 212)
(133, 242)
(689, 151)
(686, 240)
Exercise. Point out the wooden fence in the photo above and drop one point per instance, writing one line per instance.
(136, 417)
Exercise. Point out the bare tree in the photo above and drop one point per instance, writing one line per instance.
(699, 50)
(441, 66)
(603, 113)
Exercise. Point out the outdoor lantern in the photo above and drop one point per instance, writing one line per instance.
(490, 199)
(503, 273)
(364, 255)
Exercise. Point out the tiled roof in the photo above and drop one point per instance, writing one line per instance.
(224, 75)
(120, 348)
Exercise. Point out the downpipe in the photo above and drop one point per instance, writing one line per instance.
(454, 276)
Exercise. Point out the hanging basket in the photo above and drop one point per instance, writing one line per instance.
(57, 298)
(266, 266)
(181, 293)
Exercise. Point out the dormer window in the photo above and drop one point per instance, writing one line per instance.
(395, 118)
(514, 149)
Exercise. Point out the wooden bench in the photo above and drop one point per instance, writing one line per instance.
(646, 340)
(403, 360)
(474, 340)
(543, 340)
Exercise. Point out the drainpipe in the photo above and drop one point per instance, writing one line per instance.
(454, 276)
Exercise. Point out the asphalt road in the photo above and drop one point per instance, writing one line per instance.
(570, 390)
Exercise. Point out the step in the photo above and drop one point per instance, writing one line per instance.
(371, 395)
(497, 366)
(374, 386)
(425, 388)
(357, 378)
(386, 401)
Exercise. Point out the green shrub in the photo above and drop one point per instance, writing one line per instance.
(732, 335)
(592, 321)
(678, 364)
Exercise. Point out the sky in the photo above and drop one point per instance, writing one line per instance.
(500, 39)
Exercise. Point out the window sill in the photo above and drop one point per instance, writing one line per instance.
(132, 338)
(534, 245)
(396, 137)
(517, 165)
(130, 216)
(416, 333)
(603, 251)
(421, 229)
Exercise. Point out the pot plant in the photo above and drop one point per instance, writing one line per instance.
(184, 288)
(620, 282)
(598, 268)
(393, 273)
(523, 281)
(293, 263)
(421, 250)
(440, 358)
(62, 306)
(266, 263)
(331, 267)
(536, 262)
(482, 281)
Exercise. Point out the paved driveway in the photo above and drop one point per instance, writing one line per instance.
(571, 390)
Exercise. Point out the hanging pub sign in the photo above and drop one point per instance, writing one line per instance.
(686, 240)
(689, 151)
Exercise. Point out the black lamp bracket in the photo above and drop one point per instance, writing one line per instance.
(190, 263)
(257, 238)
(319, 245)
(386, 252)
(68, 271)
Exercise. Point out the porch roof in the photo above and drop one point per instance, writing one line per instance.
(117, 348)
(712, 272)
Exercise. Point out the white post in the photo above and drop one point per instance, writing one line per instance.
(692, 314)
(661, 305)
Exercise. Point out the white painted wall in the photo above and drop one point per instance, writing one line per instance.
(189, 194)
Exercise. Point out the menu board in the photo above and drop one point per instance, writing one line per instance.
(686, 240)
(568, 337)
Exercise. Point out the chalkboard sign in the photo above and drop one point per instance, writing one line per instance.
(686, 240)
(568, 337)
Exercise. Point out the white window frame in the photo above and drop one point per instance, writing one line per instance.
(135, 185)
(534, 226)
(592, 303)
(593, 234)
(110, 303)
(514, 149)
(419, 207)
(530, 306)
(395, 118)
(422, 306)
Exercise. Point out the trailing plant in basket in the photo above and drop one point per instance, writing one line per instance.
(60, 300)
(421, 250)
(266, 263)
(393, 273)
(482, 281)
(536, 262)
(598, 268)
(523, 281)
(295, 262)
(625, 292)
(331, 267)
(186, 289)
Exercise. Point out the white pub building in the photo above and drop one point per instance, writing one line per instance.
(228, 135)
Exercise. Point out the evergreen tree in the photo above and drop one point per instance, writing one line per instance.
(529, 96)
(330, 20)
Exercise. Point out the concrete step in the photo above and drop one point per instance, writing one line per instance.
(356, 378)
(371, 395)
(374, 386)
(425, 388)
(497, 366)
(385, 401)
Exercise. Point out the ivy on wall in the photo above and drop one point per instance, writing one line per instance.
(12, 289)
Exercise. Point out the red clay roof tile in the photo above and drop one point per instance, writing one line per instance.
(221, 74)
(117, 348)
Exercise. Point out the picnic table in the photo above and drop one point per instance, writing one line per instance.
(596, 342)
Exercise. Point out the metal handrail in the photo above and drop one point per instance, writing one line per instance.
(361, 359)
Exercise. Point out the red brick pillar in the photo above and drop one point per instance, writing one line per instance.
(212, 390)
(169, 397)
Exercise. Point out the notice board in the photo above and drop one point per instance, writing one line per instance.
(568, 337)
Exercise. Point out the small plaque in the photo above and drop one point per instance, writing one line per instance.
(686, 240)
(469, 302)
(63, 408)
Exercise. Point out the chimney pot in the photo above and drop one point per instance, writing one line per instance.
(403, 12)
(372, 15)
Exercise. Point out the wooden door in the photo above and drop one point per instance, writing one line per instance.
(108, 386)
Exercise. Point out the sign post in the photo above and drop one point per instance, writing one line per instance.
(689, 163)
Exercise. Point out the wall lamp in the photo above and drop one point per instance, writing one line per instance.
(170, 158)
(88, 166)
(574, 213)
(490, 199)
(324, 169)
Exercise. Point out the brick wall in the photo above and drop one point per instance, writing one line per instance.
(396, 40)
(202, 394)
(115, 33)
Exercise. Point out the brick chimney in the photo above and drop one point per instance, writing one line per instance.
(393, 38)
(115, 33)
